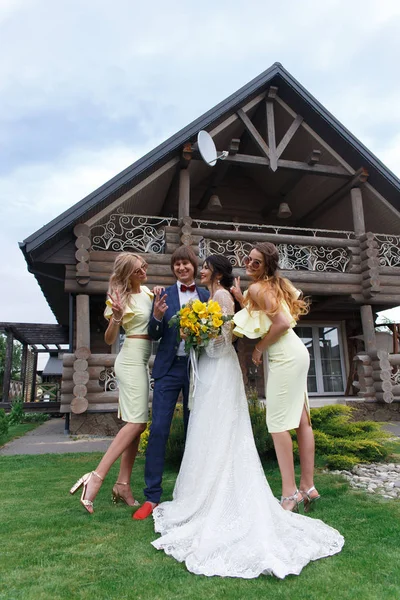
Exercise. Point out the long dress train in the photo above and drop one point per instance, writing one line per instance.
(223, 519)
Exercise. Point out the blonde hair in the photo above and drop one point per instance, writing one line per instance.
(278, 288)
(120, 281)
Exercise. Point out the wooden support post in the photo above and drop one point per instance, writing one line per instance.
(33, 382)
(368, 327)
(8, 366)
(23, 369)
(184, 194)
(273, 157)
(82, 321)
(358, 210)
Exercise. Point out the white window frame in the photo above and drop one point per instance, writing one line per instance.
(317, 353)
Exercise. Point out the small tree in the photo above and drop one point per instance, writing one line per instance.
(16, 359)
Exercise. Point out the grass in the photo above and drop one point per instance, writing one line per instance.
(16, 431)
(51, 549)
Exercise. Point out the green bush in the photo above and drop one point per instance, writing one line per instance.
(35, 417)
(263, 439)
(341, 461)
(16, 415)
(341, 442)
(4, 422)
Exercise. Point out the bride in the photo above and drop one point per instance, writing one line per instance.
(223, 519)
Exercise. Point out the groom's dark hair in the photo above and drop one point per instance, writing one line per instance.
(184, 253)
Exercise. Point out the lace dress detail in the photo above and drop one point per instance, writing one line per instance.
(223, 519)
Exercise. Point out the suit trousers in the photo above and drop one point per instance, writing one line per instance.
(165, 396)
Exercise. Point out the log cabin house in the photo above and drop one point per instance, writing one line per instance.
(294, 176)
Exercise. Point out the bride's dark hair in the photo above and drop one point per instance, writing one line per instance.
(220, 265)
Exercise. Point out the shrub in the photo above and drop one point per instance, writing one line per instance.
(176, 441)
(35, 418)
(339, 441)
(16, 415)
(341, 461)
(324, 444)
(4, 421)
(263, 439)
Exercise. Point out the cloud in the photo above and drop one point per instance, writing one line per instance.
(89, 87)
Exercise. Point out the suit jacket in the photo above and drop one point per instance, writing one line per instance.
(159, 330)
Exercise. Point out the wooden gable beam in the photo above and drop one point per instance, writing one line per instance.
(359, 178)
(291, 165)
(270, 116)
(288, 135)
(254, 134)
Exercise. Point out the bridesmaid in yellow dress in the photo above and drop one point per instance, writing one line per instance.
(271, 308)
(129, 304)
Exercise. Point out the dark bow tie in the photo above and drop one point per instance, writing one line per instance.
(187, 288)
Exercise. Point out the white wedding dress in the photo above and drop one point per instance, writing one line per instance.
(223, 519)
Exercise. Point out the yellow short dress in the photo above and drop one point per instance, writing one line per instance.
(288, 364)
(131, 364)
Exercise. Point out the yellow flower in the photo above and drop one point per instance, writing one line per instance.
(217, 322)
(198, 306)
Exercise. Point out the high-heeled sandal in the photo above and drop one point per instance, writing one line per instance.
(83, 481)
(116, 496)
(309, 501)
(292, 498)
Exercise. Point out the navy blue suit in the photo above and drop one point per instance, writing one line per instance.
(171, 376)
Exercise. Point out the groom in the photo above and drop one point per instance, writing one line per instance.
(170, 371)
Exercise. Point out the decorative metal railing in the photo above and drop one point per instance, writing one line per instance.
(278, 229)
(389, 250)
(131, 232)
(107, 380)
(292, 256)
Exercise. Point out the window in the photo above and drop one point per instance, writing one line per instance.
(326, 374)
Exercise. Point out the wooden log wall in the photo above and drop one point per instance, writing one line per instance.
(81, 389)
(374, 376)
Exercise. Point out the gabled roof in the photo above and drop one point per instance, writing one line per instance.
(290, 90)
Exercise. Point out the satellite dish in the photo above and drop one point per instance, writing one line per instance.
(207, 149)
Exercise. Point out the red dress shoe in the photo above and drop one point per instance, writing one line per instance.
(144, 511)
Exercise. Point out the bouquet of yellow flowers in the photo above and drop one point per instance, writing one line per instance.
(200, 322)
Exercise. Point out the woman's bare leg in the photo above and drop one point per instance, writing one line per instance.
(305, 438)
(122, 441)
(284, 453)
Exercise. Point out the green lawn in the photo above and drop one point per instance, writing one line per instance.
(52, 549)
(16, 431)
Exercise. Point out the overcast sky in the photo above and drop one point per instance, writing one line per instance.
(89, 86)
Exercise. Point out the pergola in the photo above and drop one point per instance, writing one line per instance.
(35, 337)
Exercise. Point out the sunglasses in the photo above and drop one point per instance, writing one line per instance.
(251, 261)
(143, 267)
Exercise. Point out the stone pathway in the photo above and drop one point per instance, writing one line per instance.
(49, 438)
(374, 478)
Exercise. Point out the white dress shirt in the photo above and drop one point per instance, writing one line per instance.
(184, 298)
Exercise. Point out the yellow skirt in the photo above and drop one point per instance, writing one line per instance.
(131, 371)
(288, 364)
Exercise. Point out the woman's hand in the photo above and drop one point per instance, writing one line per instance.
(257, 356)
(182, 334)
(117, 309)
(158, 290)
(237, 292)
(160, 306)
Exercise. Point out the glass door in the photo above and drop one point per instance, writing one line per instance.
(327, 374)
